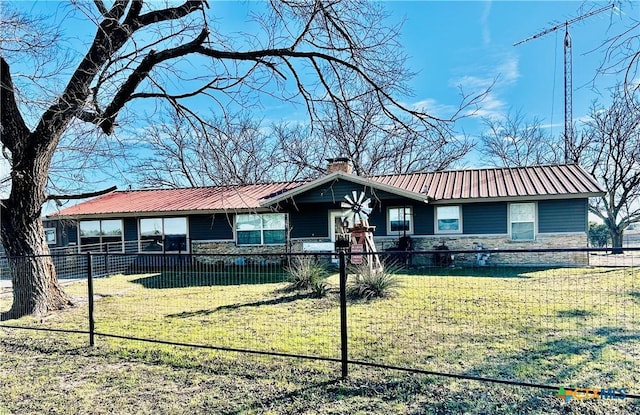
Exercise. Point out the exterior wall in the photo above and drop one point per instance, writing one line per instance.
(228, 252)
(569, 215)
(496, 242)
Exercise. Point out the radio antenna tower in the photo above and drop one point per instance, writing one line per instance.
(568, 73)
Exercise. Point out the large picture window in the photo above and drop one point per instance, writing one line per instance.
(400, 220)
(101, 235)
(261, 229)
(448, 219)
(163, 235)
(522, 218)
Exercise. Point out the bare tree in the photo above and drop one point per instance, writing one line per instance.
(375, 144)
(607, 146)
(232, 150)
(515, 142)
(303, 51)
(622, 51)
(611, 152)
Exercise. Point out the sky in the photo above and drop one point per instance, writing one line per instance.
(469, 45)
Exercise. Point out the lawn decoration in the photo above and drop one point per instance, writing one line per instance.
(357, 210)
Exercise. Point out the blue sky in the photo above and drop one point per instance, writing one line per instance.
(468, 44)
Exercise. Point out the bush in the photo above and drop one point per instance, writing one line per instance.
(598, 235)
(371, 283)
(305, 273)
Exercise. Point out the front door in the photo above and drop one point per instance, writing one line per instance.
(337, 224)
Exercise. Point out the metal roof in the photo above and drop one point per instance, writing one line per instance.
(200, 199)
(460, 186)
(536, 182)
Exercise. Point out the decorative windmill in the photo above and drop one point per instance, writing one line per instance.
(357, 211)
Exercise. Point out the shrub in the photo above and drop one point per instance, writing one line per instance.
(371, 283)
(320, 289)
(306, 273)
(598, 235)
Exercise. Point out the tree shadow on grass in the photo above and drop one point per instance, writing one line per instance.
(479, 272)
(272, 301)
(165, 280)
(558, 360)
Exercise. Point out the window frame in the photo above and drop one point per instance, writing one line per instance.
(51, 231)
(436, 229)
(100, 236)
(262, 229)
(407, 218)
(534, 222)
(163, 234)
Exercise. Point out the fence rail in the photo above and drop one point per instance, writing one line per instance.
(473, 314)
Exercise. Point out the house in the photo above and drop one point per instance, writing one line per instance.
(526, 207)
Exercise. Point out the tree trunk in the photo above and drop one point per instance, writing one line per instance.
(616, 242)
(36, 289)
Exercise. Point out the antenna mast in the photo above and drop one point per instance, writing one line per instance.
(568, 73)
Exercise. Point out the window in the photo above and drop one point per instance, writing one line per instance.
(101, 235)
(399, 220)
(522, 218)
(261, 229)
(50, 236)
(448, 219)
(163, 235)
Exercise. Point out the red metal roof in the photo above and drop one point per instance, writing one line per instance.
(472, 184)
(204, 199)
(455, 185)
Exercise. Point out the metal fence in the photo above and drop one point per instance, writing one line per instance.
(541, 318)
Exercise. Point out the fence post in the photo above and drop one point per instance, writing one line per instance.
(90, 297)
(343, 314)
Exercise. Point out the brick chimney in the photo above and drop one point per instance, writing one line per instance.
(339, 164)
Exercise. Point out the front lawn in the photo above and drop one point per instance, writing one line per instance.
(565, 327)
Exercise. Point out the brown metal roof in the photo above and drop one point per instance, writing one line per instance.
(477, 184)
(461, 186)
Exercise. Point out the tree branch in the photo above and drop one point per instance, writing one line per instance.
(12, 126)
(81, 195)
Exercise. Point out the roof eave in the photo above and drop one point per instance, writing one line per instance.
(516, 198)
(349, 177)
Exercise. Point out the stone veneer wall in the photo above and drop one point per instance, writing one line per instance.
(428, 243)
(491, 242)
(230, 253)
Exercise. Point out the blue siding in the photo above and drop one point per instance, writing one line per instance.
(484, 218)
(334, 192)
(130, 229)
(568, 215)
(71, 231)
(208, 227)
(306, 221)
(423, 219)
(130, 234)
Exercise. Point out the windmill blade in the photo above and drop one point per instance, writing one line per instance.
(366, 208)
(348, 199)
(355, 196)
(361, 198)
(348, 215)
(345, 205)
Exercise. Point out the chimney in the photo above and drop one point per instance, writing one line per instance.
(339, 164)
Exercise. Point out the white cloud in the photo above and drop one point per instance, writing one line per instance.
(484, 23)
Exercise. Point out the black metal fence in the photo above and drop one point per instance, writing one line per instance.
(541, 318)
